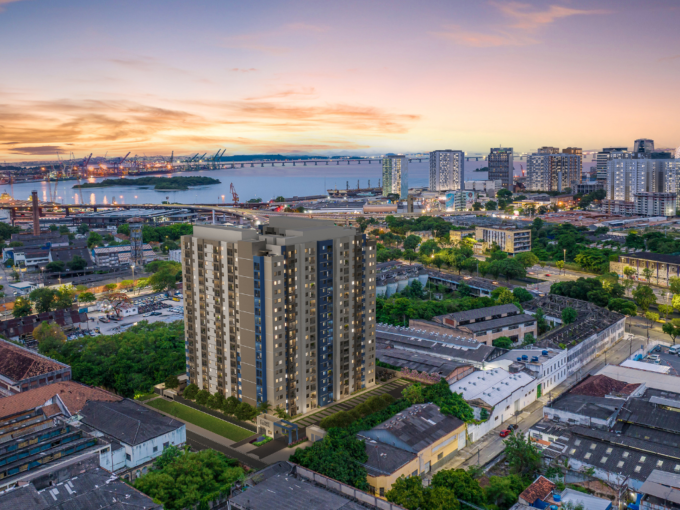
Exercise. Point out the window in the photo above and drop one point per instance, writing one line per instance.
(439, 457)
(677, 468)
(155, 449)
(415, 473)
(603, 460)
(593, 446)
(620, 464)
(382, 492)
(609, 450)
(166, 444)
(659, 463)
(625, 455)
(588, 455)
(642, 458)
(128, 457)
(572, 451)
(637, 469)
(577, 442)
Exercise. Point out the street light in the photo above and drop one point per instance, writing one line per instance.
(565, 260)
(132, 266)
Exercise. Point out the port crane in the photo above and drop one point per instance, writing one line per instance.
(234, 195)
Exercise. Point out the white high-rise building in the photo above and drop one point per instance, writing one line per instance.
(447, 170)
(627, 177)
(551, 171)
(395, 176)
(644, 145)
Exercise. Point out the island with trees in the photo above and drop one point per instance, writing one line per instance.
(159, 183)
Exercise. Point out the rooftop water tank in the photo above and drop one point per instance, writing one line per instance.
(554, 507)
(519, 358)
(557, 498)
(544, 353)
(534, 358)
(525, 357)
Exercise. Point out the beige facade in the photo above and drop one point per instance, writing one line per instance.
(510, 240)
(662, 267)
(285, 314)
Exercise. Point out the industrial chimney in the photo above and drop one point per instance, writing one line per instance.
(36, 213)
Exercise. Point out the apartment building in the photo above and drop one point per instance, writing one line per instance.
(509, 239)
(603, 158)
(627, 177)
(284, 314)
(501, 166)
(549, 170)
(395, 176)
(447, 170)
(655, 204)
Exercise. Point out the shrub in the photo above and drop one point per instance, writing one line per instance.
(190, 391)
(202, 397)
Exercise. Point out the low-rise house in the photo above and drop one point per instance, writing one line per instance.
(425, 363)
(137, 434)
(119, 255)
(287, 486)
(661, 491)
(127, 309)
(488, 324)
(446, 346)
(594, 331)
(595, 402)
(21, 329)
(499, 393)
(411, 443)
(22, 369)
(575, 498)
(539, 493)
(548, 366)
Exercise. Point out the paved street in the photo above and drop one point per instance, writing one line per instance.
(491, 445)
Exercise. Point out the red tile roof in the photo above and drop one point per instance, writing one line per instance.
(540, 489)
(18, 363)
(73, 394)
(601, 386)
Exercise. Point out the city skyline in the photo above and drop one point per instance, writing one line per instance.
(346, 78)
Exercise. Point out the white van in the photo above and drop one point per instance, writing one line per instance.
(674, 350)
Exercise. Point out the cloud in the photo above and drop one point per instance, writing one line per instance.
(43, 150)
(664, 59)
(520, 32)
(239, 70)
(304, 92)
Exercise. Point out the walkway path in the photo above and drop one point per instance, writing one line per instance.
(393, 387)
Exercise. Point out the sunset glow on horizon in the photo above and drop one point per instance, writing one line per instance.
(349, 77)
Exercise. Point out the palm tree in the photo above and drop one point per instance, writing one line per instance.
(281, 413)
(264, 407)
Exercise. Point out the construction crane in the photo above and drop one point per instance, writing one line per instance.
(234, 195)
(122, 160)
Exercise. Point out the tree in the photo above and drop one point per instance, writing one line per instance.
(264, 407)
(476, 206)
(190, 391)
(503, 491)
(22, 307)
(77, 263)
(569, 315)
(83, 228)
(127, 363)
(171, 382)
(560, 264)
(652, 316)
(413, 393)
(126, 284)
(502, 342)
(674, 284)
(411, 242)
(490, 205)
(541, 323)
(63, 298)
(647, 272)
(409, 255)
(529, 339)
(522, 454)
(408, 493)
(56, 266)
(50, 337)
(43, 298)
(622, 306)
(629, 272)
(644, 297)
(503, 296)
(245, 412)
(110, 287)
(671, 330)
(527, 259)
(665, 310)
(94, 240)
(522, 294)
(463, 485)
(163, 280)
(183, 479)
(202, 397)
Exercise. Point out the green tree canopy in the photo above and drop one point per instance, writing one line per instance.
(569, 315)
(522, 454)
(44, 299)
(463, 485)
(22, 307)
(644, 297)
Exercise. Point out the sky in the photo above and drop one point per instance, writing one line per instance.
(343, 77)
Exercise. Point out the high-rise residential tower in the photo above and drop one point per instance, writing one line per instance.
(603, 158)
(395, 176)
(501, 166)
(284, 314)
(643, 145)
(447, 170)
(628, 177)
(549, 170)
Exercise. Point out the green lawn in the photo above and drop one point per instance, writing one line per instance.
(221, 427)
(146, 396)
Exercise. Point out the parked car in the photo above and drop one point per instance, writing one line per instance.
(505, 433)
(654, 357)
(512, 426)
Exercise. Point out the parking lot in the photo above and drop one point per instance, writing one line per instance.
(671, 360)
(152, 309)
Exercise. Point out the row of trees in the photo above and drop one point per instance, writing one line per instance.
(230, 406)
(344, 419)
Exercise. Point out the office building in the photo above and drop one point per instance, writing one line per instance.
(508, 239)
(447, 170)
(603, 158)
(395, 176)
(643, 145)
(548, 170)
(584, 188)
(501, 166)
(284, 314)
(655, 204)
(460, 200)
